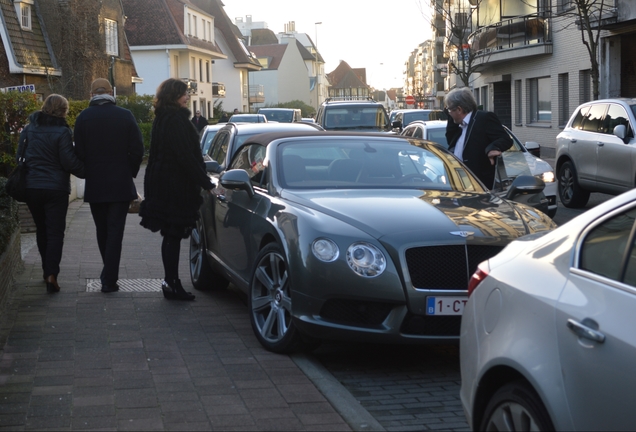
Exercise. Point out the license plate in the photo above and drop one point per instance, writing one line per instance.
(445, 305)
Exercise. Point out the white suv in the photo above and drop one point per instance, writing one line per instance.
(596, 152)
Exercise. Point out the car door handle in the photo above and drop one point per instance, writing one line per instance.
(582, 330)
(600, 144)
(573, 140)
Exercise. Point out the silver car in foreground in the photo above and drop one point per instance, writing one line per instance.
(547, 339)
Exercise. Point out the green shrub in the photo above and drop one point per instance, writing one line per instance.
(9, 221)
(146, 128)
(15, 108)
(75, 107)
(139, 105)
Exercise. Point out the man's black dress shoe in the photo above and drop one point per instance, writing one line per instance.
(110, 288)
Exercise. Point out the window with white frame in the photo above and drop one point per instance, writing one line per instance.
(110, 32)
(210, 35)
(539, 100)
(25, 16)
(518, 103)
(189, 25)
(200, 70)
(564, 99)
(194, 29)
(207, 71)
(193, 68)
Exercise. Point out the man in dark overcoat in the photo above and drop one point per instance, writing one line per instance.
(198, 121)
(476, 137)
(109, 142)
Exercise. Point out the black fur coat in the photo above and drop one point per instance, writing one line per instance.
(175, 174)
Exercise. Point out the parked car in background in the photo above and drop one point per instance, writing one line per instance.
(248, 118)
(229, 137)
(281, 115)
(351, 236)
(363, 115)
(596, 151)
(547, 340)
(517, 160)
(404, 117)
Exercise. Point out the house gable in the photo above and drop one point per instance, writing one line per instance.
(27, 51)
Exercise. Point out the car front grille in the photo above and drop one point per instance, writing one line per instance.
(446, 267)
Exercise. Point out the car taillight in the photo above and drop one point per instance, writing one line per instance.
(477, 277)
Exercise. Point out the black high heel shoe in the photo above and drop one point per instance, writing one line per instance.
(51, 284)
(173, 290)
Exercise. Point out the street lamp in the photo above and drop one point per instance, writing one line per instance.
(316, 31)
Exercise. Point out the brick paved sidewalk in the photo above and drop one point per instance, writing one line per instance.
(134, 361)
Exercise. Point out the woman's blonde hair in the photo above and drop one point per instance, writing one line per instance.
(55, 105)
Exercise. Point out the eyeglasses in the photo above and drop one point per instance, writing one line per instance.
(452, 109)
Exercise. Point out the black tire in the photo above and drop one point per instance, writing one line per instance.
(570, 192)
(515, 407)
(202, 275)
(270, 303)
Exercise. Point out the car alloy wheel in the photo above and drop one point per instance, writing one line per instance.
(516, 406)
(201, 274)
(270, 302)
(570, 193)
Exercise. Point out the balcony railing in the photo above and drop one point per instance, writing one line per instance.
(257, 94)
(511, 33)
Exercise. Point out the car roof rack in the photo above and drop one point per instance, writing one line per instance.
(350, 98)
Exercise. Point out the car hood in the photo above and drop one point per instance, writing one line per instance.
(418, 215)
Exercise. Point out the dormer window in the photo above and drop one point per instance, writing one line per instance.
(24, 10)
(112, 41)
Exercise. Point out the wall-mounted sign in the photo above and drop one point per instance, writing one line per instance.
(21, 89)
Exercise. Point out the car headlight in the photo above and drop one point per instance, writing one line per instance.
(547, 177)
(325, 250)
(366, 259)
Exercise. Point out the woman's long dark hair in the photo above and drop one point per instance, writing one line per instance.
(169, 92)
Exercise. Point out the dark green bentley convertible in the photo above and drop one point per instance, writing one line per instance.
(364, 237)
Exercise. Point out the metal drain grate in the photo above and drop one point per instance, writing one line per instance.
(127, 285)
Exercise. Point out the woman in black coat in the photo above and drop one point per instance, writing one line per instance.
(173, 181)
(50, 158)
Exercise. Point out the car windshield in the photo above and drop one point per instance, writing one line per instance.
(355, 117)
(281, 116)
(245, 118)
(411, 116)
(207, 140)
(370, 164)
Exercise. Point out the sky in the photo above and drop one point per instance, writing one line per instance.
(376, 35)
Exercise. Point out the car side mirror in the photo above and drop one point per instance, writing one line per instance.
(533, 148)
(396, 125)
(525, 185)
(620, 131)
(237, 180)
(212, 166)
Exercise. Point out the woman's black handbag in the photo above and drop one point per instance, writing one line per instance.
(16, 183)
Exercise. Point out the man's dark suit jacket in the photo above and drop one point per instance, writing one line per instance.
(199, 122)
(485, 133)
